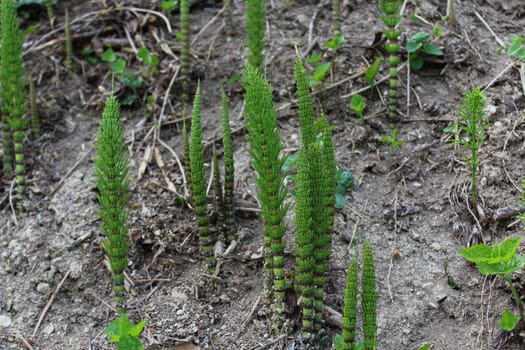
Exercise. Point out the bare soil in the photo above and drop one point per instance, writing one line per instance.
(410, 203)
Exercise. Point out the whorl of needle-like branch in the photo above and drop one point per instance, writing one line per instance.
(368, 299)
(111, 170)
(255, 25)
(13, 94)
(265, 149)
(218, 196)
(350, 306)
(198, 182)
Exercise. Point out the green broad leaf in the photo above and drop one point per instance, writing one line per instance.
(506, 251)
(416, 62)
(169, 5)
(154, 60)
(385, 139)
(314, 58)
(338, 342)
(515, 264)
(371, 72)
(87, 51)
(508, 321)
(425, 346)
(135, 330)
(112, 331)
(129, 342)
(143, 54)
(345, 178)
(109, 55)
(438, 33)
(91, 60)
(119, 66)
(132, 80)
(320, 71)
(358, 104)
(516, 47)
(431, 49)
(413, 46)
(477, 253)
(340, 201)
(421, 37)
(290, 161)
(334, 43)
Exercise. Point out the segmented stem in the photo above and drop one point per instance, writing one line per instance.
(185, 50)
(255, 25)
(229, 170)
(50, 14)
(304, 102)
(369, 297)
(186, 147)
(111, 171)
(198, 182)
(265, 149)
(69, 43)
(391, 18)
(350, 306)
(218, 196)
(35, 120)
(12, 94)
(336, 17)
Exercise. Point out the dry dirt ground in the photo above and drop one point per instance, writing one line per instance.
(410, 203)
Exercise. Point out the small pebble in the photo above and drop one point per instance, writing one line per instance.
(435, 246)
(48, 329)
(5, 321)
(43, 288)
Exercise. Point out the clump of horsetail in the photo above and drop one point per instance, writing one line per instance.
(316, 179)
(229, 170)
(368, 303)
(255, 25)
(112, 183)
(198, 182)
(391, 18)
(69, 44)
(35, 120)
(265, 149)
(336, 18)
(13, 95)
(185, 79)
(218, 195)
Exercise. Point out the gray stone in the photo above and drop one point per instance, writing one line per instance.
(5, 321)
(43, 288)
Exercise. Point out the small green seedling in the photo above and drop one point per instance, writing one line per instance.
(118, 65)
(418, 45)
(358, 104)
(169, 5)
(126, 335)
(371, 72)
(392, 140)
(149, 59)
(314, 58)
(517, 48)
(317, 77)
(335, 43)
(89, 55)
(473, 126)
(500, 260)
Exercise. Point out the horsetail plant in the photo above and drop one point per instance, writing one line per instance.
(315, 187)
(368, 299)
(13, 95)
(368, 305)
(112, 183)
(255, 22)
(265, 149)
(69, 43)
(198, 182)
(472, 112)
(391, 18)
(185, 80)
(336, 18)
(218, 195)
(229, 170)
(35, 120)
